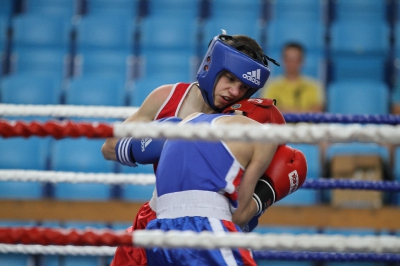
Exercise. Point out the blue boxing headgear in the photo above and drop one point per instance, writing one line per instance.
(222, 57)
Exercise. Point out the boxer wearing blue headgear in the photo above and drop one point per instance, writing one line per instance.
(227, 54)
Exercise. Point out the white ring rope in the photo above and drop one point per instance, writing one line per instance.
(58, 250)
(76, 177)
(66, 110)
(255, 241)
(211, 240)
(298, 133)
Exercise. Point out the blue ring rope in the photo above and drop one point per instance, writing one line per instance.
(341, 118)
(392, 186)
(324, 256)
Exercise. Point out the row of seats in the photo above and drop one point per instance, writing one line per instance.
(84, 155)
(182, 32)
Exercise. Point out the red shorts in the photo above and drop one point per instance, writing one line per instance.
(134, 256)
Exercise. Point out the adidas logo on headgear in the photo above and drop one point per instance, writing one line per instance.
(253, 76)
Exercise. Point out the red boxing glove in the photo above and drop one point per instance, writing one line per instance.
(285, 174)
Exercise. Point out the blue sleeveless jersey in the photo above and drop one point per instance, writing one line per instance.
(199, 165)
(196, 186)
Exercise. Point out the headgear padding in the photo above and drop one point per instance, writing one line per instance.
(261, 110)
(222, 57)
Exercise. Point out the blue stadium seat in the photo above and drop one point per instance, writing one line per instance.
(50, 61)
(372, 97)
(346, 67)
(360, 37)
(359, 49)
(397, 40)
(168, 33)
(144, 86)
(373, 10)
(80, 155)
(21, 153)
(308, 32)
(11, 259)
(62, 8)
(27, 154)
(306, 196)
(40, 44)
(301, 197)
(305, 9)
(241, 25)
(121, 8)
(104, 63)
(221, 13)
(397, 164)
(231, 8)
(3, 33)
(356, 148)
(96, 90)
(132, 192)
(178, 8)
(168, 66)
(26, 88)
(6, 8)
(99, 31)
(313, 156)
(41, 31)
(396, 172)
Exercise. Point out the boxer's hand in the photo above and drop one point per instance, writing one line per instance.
(143, 151)
(284, 175)
(148, 150)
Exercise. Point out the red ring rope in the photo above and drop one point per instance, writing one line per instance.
(47, 236)
(55, 129)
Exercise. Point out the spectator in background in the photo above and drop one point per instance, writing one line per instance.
(294, 92)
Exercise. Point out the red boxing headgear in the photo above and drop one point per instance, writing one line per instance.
(261, 110)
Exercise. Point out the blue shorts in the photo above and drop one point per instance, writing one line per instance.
(188, 256)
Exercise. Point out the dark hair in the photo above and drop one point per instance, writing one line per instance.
(249, 42)
(247, 46)
(295, 45)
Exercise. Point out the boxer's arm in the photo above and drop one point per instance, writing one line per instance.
(146, 113)
(262, 156)
(285, 174)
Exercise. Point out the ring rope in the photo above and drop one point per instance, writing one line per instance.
(75, 177)
(257, 254)
(298, 133)
(203, 240)
(58, 250)
(123, 112)
(67, 110)
(341, 118)
(324, 256)
(149, 179)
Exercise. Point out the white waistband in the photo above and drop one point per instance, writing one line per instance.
(153, 201)
(193, 203)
